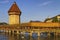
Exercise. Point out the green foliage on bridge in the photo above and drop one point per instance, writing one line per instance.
(55, 19)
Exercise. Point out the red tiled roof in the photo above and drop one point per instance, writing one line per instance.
(14, 8)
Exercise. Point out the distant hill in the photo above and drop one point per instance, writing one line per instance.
(3, 23)
(35, 21)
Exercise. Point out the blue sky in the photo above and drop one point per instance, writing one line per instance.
(31, 9)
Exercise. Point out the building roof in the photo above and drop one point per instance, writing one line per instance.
(14, 8)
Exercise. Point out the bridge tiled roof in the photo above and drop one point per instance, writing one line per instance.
(41, 24)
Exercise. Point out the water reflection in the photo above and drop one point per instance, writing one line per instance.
(26, 37)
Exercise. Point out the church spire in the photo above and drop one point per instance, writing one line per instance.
(14, 8)
(14, 2)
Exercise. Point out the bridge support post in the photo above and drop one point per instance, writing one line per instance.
(38, 33)
(56, 33)
(18, 32)
(9, 31)
(31, 33)
(6, 31)
(13, 31)
(49, 34)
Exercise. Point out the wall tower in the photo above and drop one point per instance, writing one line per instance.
(14, 14)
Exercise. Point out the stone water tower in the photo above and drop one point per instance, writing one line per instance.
(14, 14)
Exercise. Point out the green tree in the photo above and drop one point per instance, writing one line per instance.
(55, 19)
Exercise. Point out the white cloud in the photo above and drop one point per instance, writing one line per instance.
(45, 3)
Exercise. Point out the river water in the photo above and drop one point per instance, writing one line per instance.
(22, 37)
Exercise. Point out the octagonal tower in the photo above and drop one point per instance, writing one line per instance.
(14, 14)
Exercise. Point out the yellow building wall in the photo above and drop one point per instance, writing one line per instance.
(49, 20)
(14, 19)
(58, 17)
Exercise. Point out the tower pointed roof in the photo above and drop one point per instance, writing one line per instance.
(14, 8)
